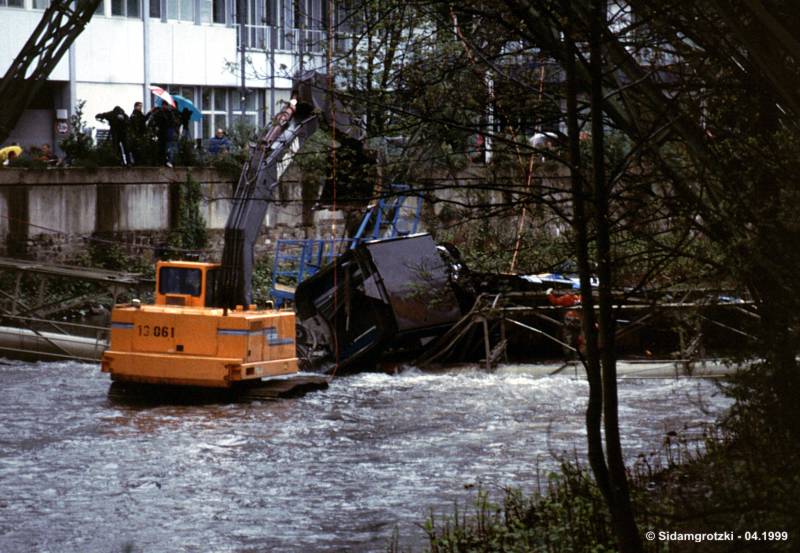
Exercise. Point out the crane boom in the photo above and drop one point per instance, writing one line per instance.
(309, 106)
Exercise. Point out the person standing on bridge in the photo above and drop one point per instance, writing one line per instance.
(139, 134)
(166, 125)
(118, 123)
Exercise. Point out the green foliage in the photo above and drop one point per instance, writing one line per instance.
(569, 515)
(743, 475)
(107, 255)
(78, 144)
(103, 155)
(262, 281)
(241, 134)
(487, 244)
(187, 153)
(190, 233)
(26, 162)
(414, 81)
(313, 163)
(229, 164)
(58, 294)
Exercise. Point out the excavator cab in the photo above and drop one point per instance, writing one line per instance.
(186, 283)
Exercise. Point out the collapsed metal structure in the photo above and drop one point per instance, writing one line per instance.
(408, 300)
(30, 328)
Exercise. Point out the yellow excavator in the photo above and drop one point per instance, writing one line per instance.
(202, 329)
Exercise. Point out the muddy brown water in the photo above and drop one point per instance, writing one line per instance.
(337, 470)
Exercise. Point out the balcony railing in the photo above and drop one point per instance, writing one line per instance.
(266, 37)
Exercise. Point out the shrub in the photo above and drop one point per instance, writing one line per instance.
(567, 515)
(190, 232)
(78, 144)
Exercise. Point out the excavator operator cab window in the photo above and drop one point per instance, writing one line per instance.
(213, 293)
(179, 280)
(187, 284)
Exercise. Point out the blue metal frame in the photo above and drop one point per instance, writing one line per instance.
(387, 209)
(298, 259)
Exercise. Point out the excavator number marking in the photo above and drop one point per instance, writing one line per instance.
(157, 331)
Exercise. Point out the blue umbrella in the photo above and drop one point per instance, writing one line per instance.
(184, 103)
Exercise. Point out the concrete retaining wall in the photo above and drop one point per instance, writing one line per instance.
(50, 214)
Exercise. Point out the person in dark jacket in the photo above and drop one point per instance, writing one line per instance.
(186, 118)
(138, 119)
(118, 122)
(166, 125)
(138, 134)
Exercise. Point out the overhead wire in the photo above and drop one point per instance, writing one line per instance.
(331, 91)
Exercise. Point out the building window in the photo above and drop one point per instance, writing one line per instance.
(214, 105)
(252, 106)
(155, 9)
(125, 8)
(221, 109)
(12, 3)
(182, 10)
(219, 11)
(40, 4)
(212, 11)
(290, 25)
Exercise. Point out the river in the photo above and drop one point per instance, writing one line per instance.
(336, 470)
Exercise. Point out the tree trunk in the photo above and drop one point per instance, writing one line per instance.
(591, 360)
(625, 527)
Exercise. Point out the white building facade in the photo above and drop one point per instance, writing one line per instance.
(196, 48)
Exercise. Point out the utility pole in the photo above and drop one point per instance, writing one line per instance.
(241, 9)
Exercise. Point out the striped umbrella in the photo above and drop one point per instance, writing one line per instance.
(163, 94)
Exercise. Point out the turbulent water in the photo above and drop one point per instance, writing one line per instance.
(337, 470)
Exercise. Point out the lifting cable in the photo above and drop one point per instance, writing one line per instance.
(332, 93)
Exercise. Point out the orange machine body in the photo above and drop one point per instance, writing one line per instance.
(181, 341)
